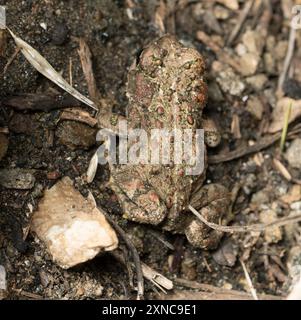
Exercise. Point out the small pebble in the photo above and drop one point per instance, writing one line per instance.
(60, 34)
(293, 154)
(21, 179)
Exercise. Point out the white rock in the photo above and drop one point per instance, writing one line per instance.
(269, 63)
(72, 228)
(240, 49)
(43, 25)
(257, 81)
(280, 50)
(293, 264)
(221, 13)
(270, 43)
(295, 293)
(231, 4)
(227, 79)
(3, 283)
(249, 63)
(293, 261)
(293, 154)
(269, 94)
(296, 206)
(254, 41)
(261, 197)
(273, 234)
(255, 107)
(280, 110)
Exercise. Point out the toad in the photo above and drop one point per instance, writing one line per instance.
(166, 90)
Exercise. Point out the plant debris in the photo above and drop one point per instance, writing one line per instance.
(3, 145)
(39, 102)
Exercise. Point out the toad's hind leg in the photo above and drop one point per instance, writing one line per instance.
(139, 201)
(213, 202)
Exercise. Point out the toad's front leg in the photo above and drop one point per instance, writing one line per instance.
(213, 202)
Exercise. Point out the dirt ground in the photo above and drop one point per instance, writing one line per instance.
(242, 100)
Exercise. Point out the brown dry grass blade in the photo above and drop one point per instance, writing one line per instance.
(86, 61)
(39, 102)
(209, 292)
(264, 143)
(249, 228)
(44, 67)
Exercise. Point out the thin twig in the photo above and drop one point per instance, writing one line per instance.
(79, 115)
(70, 72)
(30, 295)
(39, 102)
(123, 259)
(250, 228)
(150, 274)
(285, 126)
(264, 143)
(86, 62)
(240, 21)
(227, 292)
(249, 281)
(282, 169)
(10, 61)
(287, 60)
(134, 252)
(158, 236)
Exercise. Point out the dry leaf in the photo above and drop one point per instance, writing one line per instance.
(91, 172)
(43, 66)
(86, 61)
